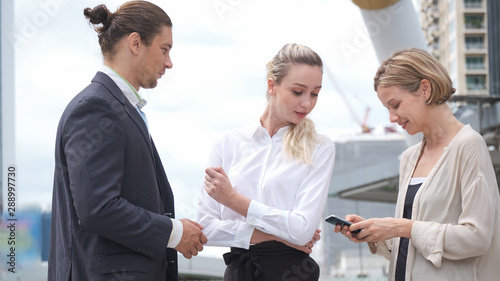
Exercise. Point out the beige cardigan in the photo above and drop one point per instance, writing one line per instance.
(456, 233)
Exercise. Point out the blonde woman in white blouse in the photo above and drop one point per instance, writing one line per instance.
(266, 186)
(446, 225)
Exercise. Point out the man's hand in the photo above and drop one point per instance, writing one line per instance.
(192, 239)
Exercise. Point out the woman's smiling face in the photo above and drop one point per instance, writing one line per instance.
(405, 108)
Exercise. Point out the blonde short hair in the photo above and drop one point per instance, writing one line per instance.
(407, 68)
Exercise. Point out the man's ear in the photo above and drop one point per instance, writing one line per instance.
(134, 42)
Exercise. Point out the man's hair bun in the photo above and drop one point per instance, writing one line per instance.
(99, 15)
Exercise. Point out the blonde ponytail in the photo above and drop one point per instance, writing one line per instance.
(299, 141)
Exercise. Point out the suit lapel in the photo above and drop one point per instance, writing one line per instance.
(122, 104)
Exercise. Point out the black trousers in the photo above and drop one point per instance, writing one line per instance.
(269, 261)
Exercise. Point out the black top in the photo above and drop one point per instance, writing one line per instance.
(403, 244)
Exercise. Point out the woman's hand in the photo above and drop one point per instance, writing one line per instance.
(315, 239)
(376, 229)
(219, 187)
(307, 248)
(259, 237)
(345, 230)
(381, 229)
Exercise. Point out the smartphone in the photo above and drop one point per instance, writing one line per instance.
(335, 221)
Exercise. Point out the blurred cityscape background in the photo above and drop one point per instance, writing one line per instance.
(463, 34)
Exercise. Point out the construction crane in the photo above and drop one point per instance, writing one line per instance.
(365, 129)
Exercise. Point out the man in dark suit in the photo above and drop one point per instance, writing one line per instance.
(113, 208)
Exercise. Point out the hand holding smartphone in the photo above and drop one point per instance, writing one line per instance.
(335, 221)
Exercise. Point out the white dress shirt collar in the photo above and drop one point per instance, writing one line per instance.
(128, 90)
(260, 131)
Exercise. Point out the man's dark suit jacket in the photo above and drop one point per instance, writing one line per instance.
(111, 199)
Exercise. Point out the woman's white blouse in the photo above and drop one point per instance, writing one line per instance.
(288, 197)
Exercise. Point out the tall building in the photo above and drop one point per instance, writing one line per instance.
(466, 41)
(457, 34)
(493, 8)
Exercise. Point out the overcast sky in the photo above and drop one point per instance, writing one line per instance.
(217, 83)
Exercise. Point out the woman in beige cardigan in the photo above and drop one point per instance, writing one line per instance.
(446, 225)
